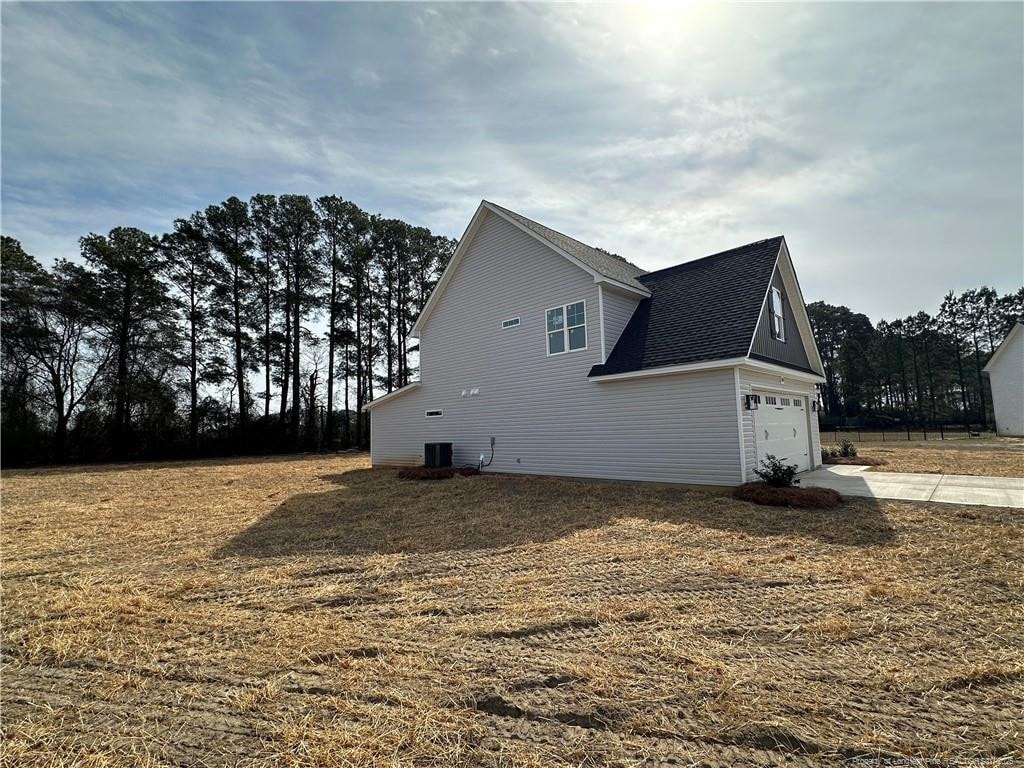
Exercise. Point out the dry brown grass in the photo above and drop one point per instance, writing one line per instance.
(999, 457)
(313, 612)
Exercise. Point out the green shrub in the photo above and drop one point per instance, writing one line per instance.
(847, 449)
(773, 472)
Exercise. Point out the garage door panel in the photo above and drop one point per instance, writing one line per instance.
(781, 429)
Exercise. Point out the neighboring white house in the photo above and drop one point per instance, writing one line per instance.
(1006, 374)
(567, 360)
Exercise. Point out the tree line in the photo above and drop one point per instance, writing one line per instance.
(259, 326)
(919, 370)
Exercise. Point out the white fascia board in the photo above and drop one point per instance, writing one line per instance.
(460, 250)
(602, 280)
(467, 238)
(598, 277)
(784, 266)
(803, 321)
(390, 395)
(709, 365)
(737, 391)
(781, 370)
(713, 365)
(1010, 337)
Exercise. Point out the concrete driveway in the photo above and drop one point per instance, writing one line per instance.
(954, 489)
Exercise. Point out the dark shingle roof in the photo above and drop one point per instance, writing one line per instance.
(607, 264)
(700, 310)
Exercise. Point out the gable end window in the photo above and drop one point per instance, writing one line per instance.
(778, 322)
(512, 322)
(567, 328)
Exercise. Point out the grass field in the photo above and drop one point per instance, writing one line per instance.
(315, 612)
(999, 457)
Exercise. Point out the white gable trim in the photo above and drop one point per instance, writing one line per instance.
(663, 370)
(598, 277)
(446, 276)
(463, 246)
(1005, 344)
(712, 365)
(738, 394)
(782, 370)
(784, 265)
(390, 395)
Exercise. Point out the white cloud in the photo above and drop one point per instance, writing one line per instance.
(874, 139)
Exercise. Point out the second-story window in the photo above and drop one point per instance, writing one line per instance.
(778, 322)
(567, 328)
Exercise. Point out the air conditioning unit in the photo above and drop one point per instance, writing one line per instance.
(437, 454)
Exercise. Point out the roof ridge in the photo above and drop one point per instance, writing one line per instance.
(569, 237)
(715, 255)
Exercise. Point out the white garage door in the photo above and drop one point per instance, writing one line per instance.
(781, 429)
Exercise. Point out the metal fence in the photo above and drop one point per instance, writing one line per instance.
(894, 434)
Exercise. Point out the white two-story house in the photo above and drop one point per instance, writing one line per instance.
(547, 356)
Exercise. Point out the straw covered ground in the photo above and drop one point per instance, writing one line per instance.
(316, 612)
(999, 457)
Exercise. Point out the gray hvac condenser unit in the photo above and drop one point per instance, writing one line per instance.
(437, 454)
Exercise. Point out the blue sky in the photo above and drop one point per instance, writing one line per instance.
(884, 140)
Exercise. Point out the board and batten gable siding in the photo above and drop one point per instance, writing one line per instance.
(546, 416)
(765, 345)
(751, 381)
(618, 308)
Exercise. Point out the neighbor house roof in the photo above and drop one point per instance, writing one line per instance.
(700, 310)
(608, 264)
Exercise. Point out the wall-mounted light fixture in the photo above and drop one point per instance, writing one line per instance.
(750, 402)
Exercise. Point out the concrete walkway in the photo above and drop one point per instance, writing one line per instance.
(954, 489)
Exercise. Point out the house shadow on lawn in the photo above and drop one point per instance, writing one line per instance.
(374, 512)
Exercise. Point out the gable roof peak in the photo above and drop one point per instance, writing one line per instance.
(607, 264)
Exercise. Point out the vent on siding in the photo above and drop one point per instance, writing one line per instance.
(512, 322)
(434, 414)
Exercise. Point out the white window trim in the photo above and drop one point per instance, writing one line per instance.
(512, 322)
(433, 413)
(778, 318)
(565, 328)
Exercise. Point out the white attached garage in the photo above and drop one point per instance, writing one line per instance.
(783, 423)
(781, 428)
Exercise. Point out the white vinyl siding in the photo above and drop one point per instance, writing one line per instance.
(1006, 376)
(546, 416)
(618, 308)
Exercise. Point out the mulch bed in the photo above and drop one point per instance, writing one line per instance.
(774, 496)
(435, 473)
(857, 461)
